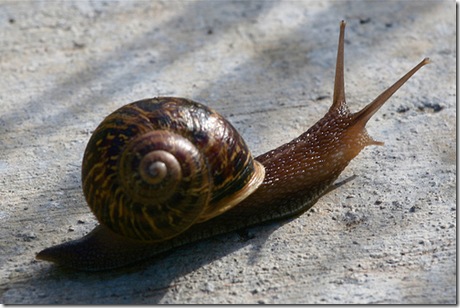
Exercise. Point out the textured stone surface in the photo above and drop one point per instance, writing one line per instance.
(389, 236)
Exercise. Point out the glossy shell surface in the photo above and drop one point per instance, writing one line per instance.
(155, 167)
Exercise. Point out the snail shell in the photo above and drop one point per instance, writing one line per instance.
(157, 166)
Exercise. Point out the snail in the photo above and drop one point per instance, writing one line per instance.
(163, 172)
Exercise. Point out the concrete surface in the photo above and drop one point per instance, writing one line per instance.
(389, 236)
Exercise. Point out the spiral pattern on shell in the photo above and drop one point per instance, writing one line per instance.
(155, 167)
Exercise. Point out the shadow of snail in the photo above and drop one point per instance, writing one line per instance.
(163, 172)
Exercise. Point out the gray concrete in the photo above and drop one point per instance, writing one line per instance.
(389, 236)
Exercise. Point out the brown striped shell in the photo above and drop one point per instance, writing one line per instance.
(155, 167)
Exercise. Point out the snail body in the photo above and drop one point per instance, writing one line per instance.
(137, 153)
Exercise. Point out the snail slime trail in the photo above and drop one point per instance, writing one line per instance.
(163, 172)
